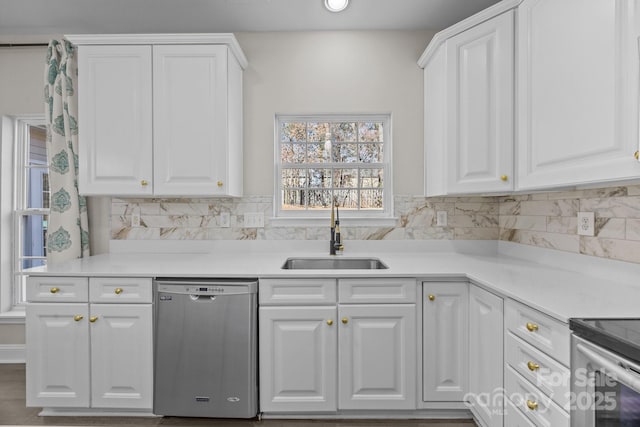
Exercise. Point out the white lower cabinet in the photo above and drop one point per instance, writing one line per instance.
(377, 356)
(445, 341)
(298, 365)
(537, 374)
(57, 366)
(332, 356)
(89, 355)
(485, 395)
(121, 356)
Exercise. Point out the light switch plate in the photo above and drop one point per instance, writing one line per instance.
(586, 223)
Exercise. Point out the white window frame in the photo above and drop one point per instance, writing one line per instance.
(318, 217)
(13, 155)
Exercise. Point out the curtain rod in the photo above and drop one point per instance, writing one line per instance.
(22, 44)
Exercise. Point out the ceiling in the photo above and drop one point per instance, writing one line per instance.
(45, 17)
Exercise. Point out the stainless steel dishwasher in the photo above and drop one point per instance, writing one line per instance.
(206, 348)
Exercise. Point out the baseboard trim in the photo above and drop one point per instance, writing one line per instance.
(12, 353)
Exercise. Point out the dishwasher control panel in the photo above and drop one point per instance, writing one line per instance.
(207, 289)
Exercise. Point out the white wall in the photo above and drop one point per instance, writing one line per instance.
(334, 72)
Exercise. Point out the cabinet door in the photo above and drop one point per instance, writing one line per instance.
(298, 356)
(445, 341)
(121, 356)
(577, 92)
(486, 356)
(57, 344)
(377, 356)
(115, 135)
(190, 119)
(480, 67)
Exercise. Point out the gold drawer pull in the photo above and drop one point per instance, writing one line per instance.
(54, 290)
(533, 366)
(637, 155)
(93, 319)
(144, 182)
(532, 327)
(345, 320)
(431, 297)
(220, 183)
(329, 322)
(532, 405)
(78, 317)
(118, 291)
(504, 177)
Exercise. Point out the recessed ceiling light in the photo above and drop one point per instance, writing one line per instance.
(336, 5)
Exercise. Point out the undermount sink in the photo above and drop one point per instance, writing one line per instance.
(333, 264)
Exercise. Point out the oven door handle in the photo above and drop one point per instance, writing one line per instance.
(622, 374)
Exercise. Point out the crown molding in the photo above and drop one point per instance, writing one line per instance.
(184, 38)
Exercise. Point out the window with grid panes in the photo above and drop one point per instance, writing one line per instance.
(344, 159)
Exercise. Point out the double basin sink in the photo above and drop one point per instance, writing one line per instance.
(333, 264)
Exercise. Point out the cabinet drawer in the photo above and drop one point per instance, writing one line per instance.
(390, 291)
(522, 394)
(547, 374)
(120, 290)
(513, 417)
(58, 289)
(539, 330)
(297, 291)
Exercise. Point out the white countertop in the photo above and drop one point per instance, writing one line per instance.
(559, 284)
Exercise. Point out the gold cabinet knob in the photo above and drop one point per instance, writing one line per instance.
(533, 366)
(637, 155)
(220, 183)
(532, 405)
(78, 317)
(504, 177)
(345, 320)
(118, 291)
(54, 290)
(532, 327)
(93, 319)
(329, 322)
(144, 182)
(431, 297)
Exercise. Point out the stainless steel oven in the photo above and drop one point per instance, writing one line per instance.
(605, 373)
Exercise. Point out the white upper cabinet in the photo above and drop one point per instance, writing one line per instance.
(116, 120)
(479, 118)
(160, 115)
(469, 85)
(546, 90)
(577, 92)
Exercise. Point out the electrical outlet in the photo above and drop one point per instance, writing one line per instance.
(225, 219)
(441, 218)
(254, 220)
(135, 218)
(586, 223)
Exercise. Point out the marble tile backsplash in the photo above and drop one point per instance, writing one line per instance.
(546, 220)
(549, 220)
(198, 219)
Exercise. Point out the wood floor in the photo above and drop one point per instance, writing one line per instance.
(14, 412)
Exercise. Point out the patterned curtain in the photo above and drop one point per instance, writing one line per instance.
(68, 228)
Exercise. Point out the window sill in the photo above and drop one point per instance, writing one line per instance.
(14, 316)
(325, 221)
